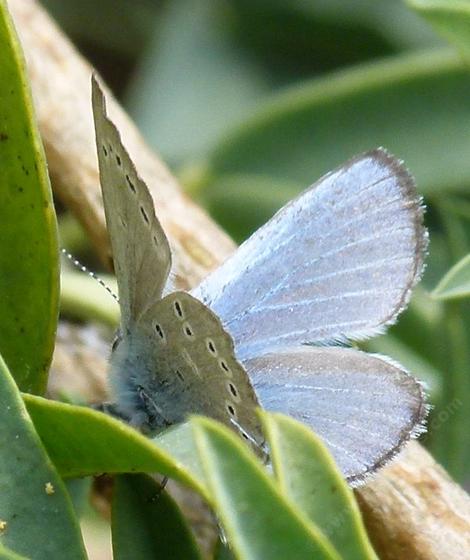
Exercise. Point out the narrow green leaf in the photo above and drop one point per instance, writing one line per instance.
(450, 18)
(414, 105)
(81, 297)
(147, 524)
(308, 475)
(29, 264)
(82, 442)
(36, 514)
(451, 420)
(259, 522)
(456, 283)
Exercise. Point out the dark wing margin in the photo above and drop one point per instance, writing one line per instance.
(365, 407)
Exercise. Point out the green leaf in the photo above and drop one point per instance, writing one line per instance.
(450, 18)
(34, 504)
(456, 283)
(203, 82)
(79, 492)
(147, 524)
(29, 264)
(309, 477)
(223, 552)
(417, 364)
(415, 105)
(82, 297)
(6, 554)
(82, 442)
(259, 521)
(331, 31)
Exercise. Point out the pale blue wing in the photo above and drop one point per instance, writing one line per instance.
(337, 262)
(363, 406)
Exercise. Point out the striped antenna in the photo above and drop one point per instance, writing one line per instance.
(83, 268)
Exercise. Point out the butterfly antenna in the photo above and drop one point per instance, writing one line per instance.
(83, 268)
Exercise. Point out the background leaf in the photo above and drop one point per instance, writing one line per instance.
(202, 82)
(450, 18)
(456, 283)
(29, 265)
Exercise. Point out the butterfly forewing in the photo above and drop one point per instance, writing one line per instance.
(173, 357)
(337, 262)
(141, 253)
(363, 406)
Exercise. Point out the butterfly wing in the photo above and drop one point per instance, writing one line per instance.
(173, 357)
(187, 365)
(337, 262)
(363, 406)
(141, 253)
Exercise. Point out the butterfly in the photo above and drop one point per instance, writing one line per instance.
(268, 327)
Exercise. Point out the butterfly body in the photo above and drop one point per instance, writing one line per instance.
(337, 263)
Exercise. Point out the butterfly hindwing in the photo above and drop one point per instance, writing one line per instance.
(337, 262)
(141, 253)
(191, 342)
(363, 406)
(180, 361)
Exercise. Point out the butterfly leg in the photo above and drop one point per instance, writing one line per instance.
(158, 493)
(150, 419)
(112, 409)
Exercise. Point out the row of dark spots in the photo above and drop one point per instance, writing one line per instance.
(131, 186)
